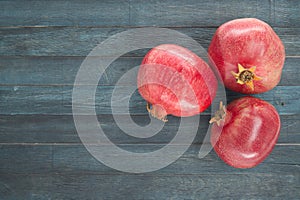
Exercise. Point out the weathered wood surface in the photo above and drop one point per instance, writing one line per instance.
(48, 70)
(61, 129)
(42, 45)
(63, 171)
(188, 13)
(74, 158)
(130, 186)
(57, 100)
(79, 41)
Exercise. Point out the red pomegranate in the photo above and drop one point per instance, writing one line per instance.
(175, 81)
(245, 132)
(249, 55)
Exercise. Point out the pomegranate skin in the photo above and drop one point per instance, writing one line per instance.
(193, 83)
(250, 131)
(251, 43)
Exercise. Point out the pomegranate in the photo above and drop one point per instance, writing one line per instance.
(249, 55)
(244, 133)
(175, 81)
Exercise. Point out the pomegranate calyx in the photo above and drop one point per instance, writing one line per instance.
(219, 115)
(246, 76)
(157, 112)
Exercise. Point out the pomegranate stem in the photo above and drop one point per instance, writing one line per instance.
(219, 115)
(157, 112)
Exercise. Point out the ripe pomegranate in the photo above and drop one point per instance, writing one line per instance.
(245, 132)
(175, 81)
(249, 55)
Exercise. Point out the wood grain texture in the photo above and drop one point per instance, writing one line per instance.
(286, 13)
(60, 129)
(42, 45)
(48, 70)
(57, 100)
(26, 158)
(78, 41)
(130, 186)
(64, 13)
(74, 158)
(150, 13)
(191, 13)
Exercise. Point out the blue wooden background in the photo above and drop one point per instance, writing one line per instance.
(42, 45)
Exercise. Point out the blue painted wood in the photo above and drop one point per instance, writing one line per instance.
(195, 13)
(282, 156)
(60, 129)
(130, 186)
(140, 13)
(74, 158)
(42, 44)
(286, 13)
(79, 41)
(64, 13)
(25, 157)
(213, 13)
(48, 70)
(57, 100)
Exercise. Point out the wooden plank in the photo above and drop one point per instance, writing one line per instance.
(25, 158)
(290, 72)
(195, 13)
(50, 70)
(38, 129)
(61, 129)
(57, 41)
(277, 99)
(64, 13)
(57, 100)
(44, 99)
(46, 70)
(75, 158)
(130, 186)
(68, 158)
(37, 70)
(139, 13)
(25, 186)
(286, 13)
(74, 41)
